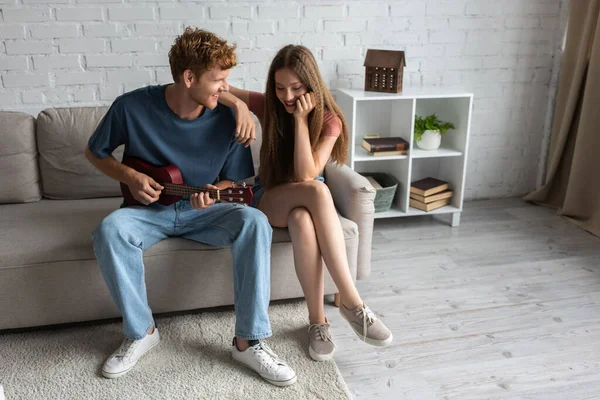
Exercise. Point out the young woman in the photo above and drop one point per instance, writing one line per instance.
(303, 129)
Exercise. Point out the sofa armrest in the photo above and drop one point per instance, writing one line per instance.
(354, 198)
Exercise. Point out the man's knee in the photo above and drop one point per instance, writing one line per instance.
(104, 229)
(254, 217)
(111, 228)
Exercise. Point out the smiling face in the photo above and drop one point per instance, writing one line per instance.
(288, 88)
(205, 89)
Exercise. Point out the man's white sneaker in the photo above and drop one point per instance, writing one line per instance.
(261, 359)
(128, 354)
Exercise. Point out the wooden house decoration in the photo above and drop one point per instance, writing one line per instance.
(383, 70)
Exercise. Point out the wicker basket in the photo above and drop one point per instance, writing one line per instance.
(385, 196)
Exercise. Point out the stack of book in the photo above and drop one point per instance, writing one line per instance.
(429, 193)
(385, 146)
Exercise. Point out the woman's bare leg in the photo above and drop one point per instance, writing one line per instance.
(308, 262)
(278, 202)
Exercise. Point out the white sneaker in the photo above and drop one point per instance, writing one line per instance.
(128, 354)
(261, 359)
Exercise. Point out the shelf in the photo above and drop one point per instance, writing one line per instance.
(441, 152)
(360, 154)
(441, 210)
(408, 93)
(395, 211)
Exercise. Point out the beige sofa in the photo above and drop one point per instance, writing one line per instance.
(51, 198)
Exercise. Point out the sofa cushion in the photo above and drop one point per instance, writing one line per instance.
(62, 136)
(60, 230)
(19, 176)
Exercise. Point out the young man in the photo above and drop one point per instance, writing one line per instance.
(183, 124)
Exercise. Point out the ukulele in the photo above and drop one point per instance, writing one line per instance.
(174, 189)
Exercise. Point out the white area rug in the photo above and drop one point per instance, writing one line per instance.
(192, 361)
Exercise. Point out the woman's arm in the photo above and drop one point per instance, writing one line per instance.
(307, 164)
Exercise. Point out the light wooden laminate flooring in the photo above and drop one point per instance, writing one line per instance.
(505, 306)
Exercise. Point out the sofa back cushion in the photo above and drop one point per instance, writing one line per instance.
(62, 136)
(19, 179)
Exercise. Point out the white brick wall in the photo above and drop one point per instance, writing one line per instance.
(87, 52)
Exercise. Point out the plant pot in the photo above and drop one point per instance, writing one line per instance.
(430, 140)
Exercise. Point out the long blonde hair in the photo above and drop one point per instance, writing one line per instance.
(277, 150)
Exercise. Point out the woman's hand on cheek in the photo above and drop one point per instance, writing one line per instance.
(304, 105)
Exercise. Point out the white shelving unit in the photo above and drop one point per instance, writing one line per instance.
(393, 115)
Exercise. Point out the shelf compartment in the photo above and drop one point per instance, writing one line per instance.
(397, 168)
(384, 118)
(454, 110)
(449, 169)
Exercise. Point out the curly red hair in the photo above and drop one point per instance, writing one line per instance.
(199, 50)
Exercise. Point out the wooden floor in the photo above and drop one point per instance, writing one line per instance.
(505, 306)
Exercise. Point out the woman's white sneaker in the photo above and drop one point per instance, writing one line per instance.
(261, 359)
(128, 354)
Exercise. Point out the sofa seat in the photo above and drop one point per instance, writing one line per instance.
(49, 270)
(59, 230)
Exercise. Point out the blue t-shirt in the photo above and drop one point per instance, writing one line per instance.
(203, 149)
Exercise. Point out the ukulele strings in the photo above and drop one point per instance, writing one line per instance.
(184, 190)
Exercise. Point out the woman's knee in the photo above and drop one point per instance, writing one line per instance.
(318, 190)
(300, 218)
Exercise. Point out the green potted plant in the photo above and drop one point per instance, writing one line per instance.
(429, 131)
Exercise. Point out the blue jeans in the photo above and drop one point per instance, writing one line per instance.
(122, 236)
